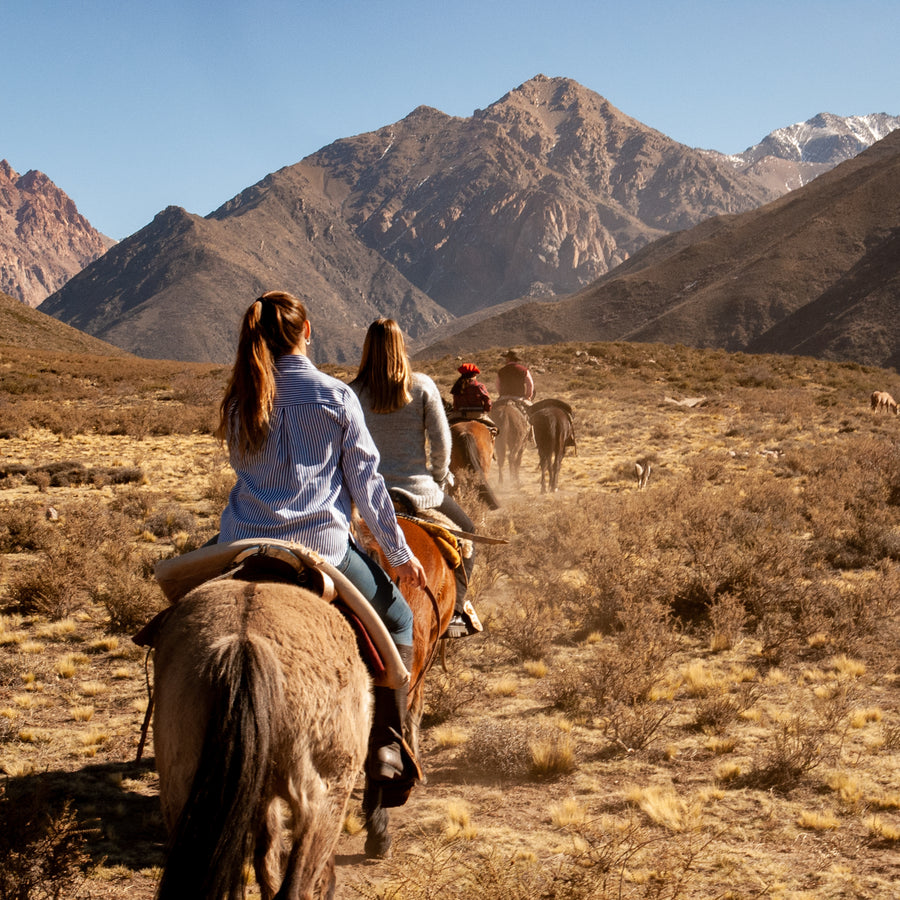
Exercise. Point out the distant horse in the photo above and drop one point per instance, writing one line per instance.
(554, 431)
(883, 400)
(471, 451)
(262, 703)
(511, 438)
(432, 611)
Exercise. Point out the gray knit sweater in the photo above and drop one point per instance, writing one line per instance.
(414, 442)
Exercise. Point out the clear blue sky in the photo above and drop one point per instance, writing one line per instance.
(133, 106)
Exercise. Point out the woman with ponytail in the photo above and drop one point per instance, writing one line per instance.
(405, 416)
(302, 453)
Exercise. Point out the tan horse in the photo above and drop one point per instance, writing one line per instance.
(883, 400)
(511, 438)
(432, 611)
(471, 452)
(262, 705)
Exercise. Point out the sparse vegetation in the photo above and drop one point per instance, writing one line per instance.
(666, 676)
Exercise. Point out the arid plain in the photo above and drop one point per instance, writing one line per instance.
(686, 691)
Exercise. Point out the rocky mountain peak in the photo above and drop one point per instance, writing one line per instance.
(44, 240)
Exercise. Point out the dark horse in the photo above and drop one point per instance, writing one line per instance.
(262, 704)
(554, 431)
(471, 452)
(432, 611)
(512, 436)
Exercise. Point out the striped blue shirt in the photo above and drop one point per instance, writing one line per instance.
(318, 459)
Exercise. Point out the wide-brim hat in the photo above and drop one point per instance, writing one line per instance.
(469, 369)
(511, 355)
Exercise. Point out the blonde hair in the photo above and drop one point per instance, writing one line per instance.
(384, 369)
(273, 326)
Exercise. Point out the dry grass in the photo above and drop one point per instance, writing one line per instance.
(689, 691)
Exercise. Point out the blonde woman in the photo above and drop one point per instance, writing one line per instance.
(299, 445)
(405, 415)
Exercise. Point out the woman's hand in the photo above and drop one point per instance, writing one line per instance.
(412, 571)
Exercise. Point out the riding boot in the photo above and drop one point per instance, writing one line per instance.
(385, 757)
(465, 620)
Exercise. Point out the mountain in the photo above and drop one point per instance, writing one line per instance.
(177, 288)
(422, 220)
(815, 272)
(427, 220)
(44, 240)
(22, 326)
(540, 193)
(791, 157)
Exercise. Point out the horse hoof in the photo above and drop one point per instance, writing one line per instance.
(377, 848)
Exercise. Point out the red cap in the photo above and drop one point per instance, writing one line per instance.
(469, 369)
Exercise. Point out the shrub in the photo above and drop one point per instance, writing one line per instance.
(169, 520)
(22, 528)
(42, 846)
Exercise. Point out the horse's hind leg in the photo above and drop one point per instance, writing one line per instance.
(309, 872)
(378, 838)
(266, 855)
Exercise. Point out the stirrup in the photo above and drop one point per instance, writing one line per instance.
(464, 623)
(386, 763)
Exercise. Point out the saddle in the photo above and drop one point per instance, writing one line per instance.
(274, 560)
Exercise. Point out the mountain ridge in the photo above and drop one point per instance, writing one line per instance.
(743, 282)
(539, 195)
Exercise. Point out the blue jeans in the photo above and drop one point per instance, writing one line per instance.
(375, 585)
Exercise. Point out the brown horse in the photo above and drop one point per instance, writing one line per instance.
(511, 438)
(262, 704)
(554, 431)
(432, 611)
(471, 452)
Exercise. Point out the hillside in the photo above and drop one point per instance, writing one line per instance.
(682, 692)
(22, 326)
(743, 282)
(178, 287)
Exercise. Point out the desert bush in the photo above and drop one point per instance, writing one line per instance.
(170, 519)
(801, 742)
(45, 588)
(218, 487)
(439, 868)
(42, 846)
(726, 622)
(446, 694)
(22, 528)
(130, 597)
(529, 623)
(508, 750)
(795, 748)
(715, 713)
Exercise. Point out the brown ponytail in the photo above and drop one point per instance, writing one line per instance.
(272, 326)
(384, 368)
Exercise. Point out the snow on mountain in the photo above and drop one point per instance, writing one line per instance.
(825, 139)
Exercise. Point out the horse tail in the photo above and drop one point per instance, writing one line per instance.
(473, 458)
(218, 827)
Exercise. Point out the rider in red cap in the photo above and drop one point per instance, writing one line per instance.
(469, 394)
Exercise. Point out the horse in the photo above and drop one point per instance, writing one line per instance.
(512, 436)
(554, 431)
(883, 400)
(471, 451)
(262, 702)
(432, 611)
